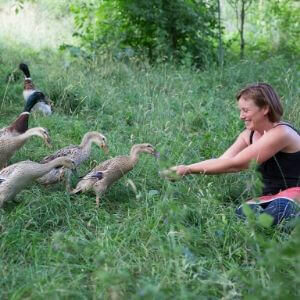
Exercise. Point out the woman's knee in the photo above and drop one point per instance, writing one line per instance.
(240, 211)
(281, 209)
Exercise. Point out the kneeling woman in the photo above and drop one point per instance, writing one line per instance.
(273, 144)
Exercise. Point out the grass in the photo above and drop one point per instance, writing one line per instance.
(150, 239)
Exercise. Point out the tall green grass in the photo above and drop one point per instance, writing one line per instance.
(153, 239)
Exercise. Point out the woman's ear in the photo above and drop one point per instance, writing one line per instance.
(266, 110)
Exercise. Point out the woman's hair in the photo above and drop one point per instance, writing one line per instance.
(263, 95)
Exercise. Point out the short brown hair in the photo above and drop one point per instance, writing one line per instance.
(263, 95)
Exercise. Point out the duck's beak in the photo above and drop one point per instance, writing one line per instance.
(105, 148)
(156, 154)
(48, 141)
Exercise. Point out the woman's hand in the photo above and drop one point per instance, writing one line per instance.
(181, 170)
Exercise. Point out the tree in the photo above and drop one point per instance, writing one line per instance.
(220, 48)
(240, 7)
(155, 29)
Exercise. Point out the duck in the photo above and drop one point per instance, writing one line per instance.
(78, 153)
(10, 144)
(18, 176)
(42, 105)
(20, 125)
(108, 172)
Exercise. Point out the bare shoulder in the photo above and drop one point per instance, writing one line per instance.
(282, 131)
(288, 136)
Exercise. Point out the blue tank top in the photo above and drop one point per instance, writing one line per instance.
(281, 171)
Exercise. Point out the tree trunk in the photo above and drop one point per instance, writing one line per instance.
(220, 50)
(242, 29)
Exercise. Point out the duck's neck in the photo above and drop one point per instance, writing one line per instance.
(28, 84)
(86, 145)
(134, 155)
(21, 139)
(57, 162)
(47, 167)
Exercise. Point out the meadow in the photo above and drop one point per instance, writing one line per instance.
(150, 238)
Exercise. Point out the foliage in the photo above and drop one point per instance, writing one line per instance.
(271, 28)
(153, 29)
(278, 22)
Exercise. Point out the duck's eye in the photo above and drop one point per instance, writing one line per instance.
(150, 146)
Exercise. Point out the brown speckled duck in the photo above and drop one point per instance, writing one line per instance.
(78, 153)
(10, 144)
(18, 176)
(109, 171)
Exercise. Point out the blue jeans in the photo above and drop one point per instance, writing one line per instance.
(280, 209)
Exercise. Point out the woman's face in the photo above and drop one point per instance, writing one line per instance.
(252, 115)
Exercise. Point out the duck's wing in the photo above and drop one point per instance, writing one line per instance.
(107, 171)
(71, 151)
(112, 164)
(8, 132)
(86, 183)
(4, 132)
(6, 172)
(95, 174)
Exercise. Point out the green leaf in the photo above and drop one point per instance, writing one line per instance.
(265, 220)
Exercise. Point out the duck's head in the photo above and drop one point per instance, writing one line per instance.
(43, 133)
(146, 148)
(97, 138)
(69, 163)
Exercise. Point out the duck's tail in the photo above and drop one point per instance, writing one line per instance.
(24, 68)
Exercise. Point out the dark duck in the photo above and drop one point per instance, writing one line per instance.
(29, 89)
(20, 125)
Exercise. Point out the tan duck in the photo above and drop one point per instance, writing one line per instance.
(20, 125)
(109, 171)
(10, 144)
(78, 153)
(18, 176)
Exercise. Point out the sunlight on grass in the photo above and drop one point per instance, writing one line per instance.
(33, 26)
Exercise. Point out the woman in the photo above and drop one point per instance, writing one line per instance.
(273, 144)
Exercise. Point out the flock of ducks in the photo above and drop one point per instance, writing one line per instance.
(59, 166)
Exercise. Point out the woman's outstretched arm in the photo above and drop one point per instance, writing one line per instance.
(269, 144)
